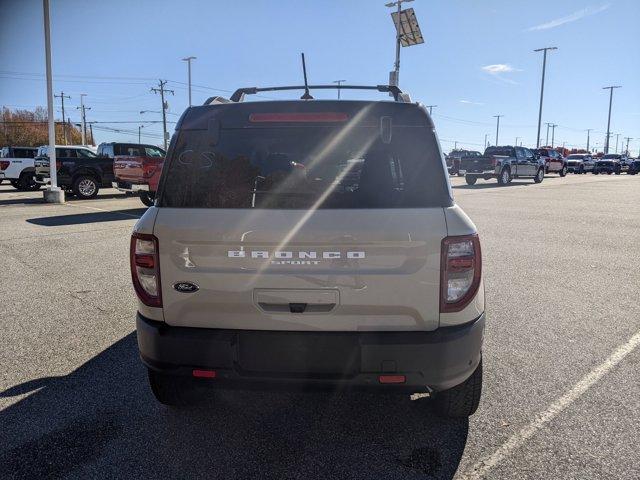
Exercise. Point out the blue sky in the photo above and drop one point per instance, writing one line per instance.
(477, 61)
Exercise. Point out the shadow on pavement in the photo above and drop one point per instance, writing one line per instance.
(90, 217)
(101, 421)
(22, 201)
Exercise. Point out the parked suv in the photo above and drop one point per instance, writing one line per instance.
(553, 160)
(309, 243)
(609, 163)
(580, 163)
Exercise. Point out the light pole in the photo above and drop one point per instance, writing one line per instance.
(606, 143)
(617, 139)
(588, 135)
(339, 82)
(546, 143)
(497, 117)
(516, 144)
(544, 68)
(431, 107)
(396, 68)
(188, 60)
(553, 133)
(140, 127)
(486, 135)
(53, 194)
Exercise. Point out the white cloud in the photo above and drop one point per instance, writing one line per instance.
(469, 102)
(498, 68)
(585, 12)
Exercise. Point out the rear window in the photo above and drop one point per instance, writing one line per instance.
(334, 164)
(24, 152)
(500, 151)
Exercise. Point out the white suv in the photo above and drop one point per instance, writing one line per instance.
(309, 243)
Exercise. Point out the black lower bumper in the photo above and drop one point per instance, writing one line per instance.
(435, 360)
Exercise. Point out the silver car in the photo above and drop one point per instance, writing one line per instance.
(580, 163)
(309, 243)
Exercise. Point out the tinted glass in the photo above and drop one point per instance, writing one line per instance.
(611, 155)
(85, 153)
(153, 152)
(574, 157)
(302, 167)
(24, 152)
(501, 151)
(66, 153)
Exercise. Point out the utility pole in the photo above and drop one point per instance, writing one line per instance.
(486, 135)
(431, 107)
(617, 139)
(544, 68)
(497, 127)
(139, 128)
(83, 109)
(339, 82)
(455, 145)
(627, 149)
(588, 135)
(553, 133)
(91, 133)
(188, 60)
(62, 96)
(162, 91)
(516, 144)
(606, 144)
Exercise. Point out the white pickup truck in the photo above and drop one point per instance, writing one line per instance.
(17, 166)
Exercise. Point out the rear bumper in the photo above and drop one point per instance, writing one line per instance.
(435, 360)
(130, 187)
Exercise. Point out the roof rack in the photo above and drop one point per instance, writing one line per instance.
(398, 96)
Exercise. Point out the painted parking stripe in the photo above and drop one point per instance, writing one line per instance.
(483, 467)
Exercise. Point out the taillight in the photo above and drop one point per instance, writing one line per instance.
(145, 269)
(460, 272)
(4, 165)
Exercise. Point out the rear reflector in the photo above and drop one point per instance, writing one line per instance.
(204, 373)
(392, 379)
(298, 117)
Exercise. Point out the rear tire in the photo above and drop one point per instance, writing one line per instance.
(147, 198)
(539, 176)
(504, 177)
(581, 170)
(470, 180)
(171, 390)
(461, 400)
(563, 171)
(85, 187)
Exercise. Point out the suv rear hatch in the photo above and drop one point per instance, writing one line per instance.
(303, 216)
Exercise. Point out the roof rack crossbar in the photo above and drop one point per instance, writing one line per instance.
(239, 94)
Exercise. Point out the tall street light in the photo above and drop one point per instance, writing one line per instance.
(140, 127)
(588, 135)
(407, 34)
(544, 68)
(339, 82)
(606, 142)
(188, 60)
(497, 117)
(53, 194)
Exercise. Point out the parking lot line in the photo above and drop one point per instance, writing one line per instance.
(482, 468)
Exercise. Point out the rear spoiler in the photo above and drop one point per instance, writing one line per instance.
(239, 94)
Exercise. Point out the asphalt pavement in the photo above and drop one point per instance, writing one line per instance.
(561, 357)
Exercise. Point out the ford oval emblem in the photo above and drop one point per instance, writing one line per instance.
(186, 287)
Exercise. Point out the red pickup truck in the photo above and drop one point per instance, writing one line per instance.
(136, 167)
